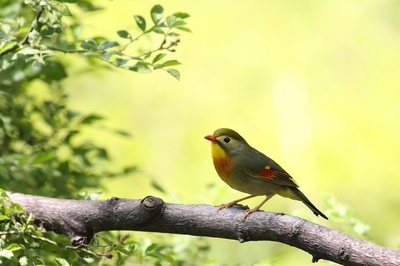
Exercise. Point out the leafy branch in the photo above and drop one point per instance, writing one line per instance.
(24, 41)
(115, 54)
(48, 34)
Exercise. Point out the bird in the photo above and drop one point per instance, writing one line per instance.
(248, 170)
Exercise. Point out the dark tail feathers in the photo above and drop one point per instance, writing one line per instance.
(307, 202)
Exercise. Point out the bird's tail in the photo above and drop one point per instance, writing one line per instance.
(307, 202)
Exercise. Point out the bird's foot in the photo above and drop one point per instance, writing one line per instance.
(228, 205)
(248, 212)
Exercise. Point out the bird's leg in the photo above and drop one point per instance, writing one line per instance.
(230, 204)
(248, 211)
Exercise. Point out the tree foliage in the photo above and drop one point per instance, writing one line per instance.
(36, 31)
(37, 129)
(40, 152)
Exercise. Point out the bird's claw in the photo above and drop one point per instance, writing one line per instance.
(228, 205)
(223, 206)
(248, 212)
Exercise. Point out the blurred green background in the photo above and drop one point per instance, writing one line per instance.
(313, 84)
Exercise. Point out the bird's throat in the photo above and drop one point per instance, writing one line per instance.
(222, 162)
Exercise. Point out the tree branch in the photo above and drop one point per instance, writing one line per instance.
(26, 37)
(81, 219)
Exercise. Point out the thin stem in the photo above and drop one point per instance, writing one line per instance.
(66, 51)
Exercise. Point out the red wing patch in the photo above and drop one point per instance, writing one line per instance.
(267, 173)
(276, 176)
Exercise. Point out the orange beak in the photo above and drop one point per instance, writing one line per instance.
(210, 138)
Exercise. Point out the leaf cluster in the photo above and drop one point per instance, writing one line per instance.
(48, 27)
(151, 59)
(41, 151)
(142, 251)
(24, 243)
(343, 216)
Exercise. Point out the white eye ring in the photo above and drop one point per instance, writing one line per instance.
(227, 139)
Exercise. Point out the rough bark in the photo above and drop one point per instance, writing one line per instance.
(81, 219)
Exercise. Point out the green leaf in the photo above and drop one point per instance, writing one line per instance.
(170, 20)
(158, 57)
(141, 22)
(37, 63)
(175, 73)
(154, 247)
(71, 114)
(174, 22)
(156, 13)
(122, 250)
(14, 247)
(124, 34)
(130, 169)
(61, 262)
(57, 29)
(181, 15)
(120, 62)
(29, 51)
(123, 133)
(170, 63)
(4, 217)
(70, 134)
(43, 157)
(184, 29)
(16, 208)
(47, 31)
(146, 55)
(157, 186)
(89, 119)
(178, 23)
(106, 56)
(108, 44)
(158, 30)
(66, 11)
(89, 44)
(54, 71)
(140, 67)
(102, 153)
(162, 257)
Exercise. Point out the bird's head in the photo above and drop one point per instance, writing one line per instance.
(225, 145)
(226, 142)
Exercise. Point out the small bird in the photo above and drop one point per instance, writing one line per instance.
(246, 169)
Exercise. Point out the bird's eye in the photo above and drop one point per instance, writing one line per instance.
(227, 140)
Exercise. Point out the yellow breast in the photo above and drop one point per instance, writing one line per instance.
(222, 162)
